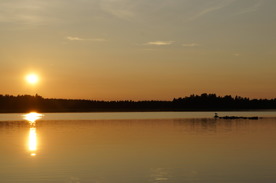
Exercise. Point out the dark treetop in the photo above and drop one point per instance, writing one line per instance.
(203, 102)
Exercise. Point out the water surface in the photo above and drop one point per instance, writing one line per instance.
(169, 150)
(138, 115)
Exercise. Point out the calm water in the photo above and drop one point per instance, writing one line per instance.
(138, 148)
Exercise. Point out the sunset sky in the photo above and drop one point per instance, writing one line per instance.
(138, 49)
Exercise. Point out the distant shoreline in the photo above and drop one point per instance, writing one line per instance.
(126, 111)
(193, 103)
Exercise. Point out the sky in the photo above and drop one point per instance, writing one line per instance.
(138, 49)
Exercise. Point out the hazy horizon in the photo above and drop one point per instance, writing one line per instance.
(138, 50)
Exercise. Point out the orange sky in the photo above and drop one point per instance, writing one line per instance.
(138, 50)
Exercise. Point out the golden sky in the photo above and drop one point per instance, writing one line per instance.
(138, 49)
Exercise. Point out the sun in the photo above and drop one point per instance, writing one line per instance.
(32, 78)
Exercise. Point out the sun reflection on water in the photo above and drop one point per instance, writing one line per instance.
(32, 117)
(32, 140)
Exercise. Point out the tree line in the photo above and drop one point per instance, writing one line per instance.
(203, 102)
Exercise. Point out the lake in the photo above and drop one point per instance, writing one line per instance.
(150, 147)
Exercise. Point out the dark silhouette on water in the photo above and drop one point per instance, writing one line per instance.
(235, 117)
(203, 102)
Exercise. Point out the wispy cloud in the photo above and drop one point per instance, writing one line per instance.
(160, 43)
(236, 54)
(190, 45)
(74, 38)
(122, 9)
(211, 7)
(97, 39)
(252, 7)
(22, 12)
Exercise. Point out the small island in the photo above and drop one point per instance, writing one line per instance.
(235, 117)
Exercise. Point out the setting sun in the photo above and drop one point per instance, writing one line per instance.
(32, 78)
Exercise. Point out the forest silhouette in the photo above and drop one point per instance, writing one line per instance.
(203, 102)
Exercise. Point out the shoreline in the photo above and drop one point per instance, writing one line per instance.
(129, 111)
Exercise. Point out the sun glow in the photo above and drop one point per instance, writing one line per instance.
(32, 117)
(32, 78)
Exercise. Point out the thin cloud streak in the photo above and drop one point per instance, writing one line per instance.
(160, 43)
(210, 9)
(190, 45)
(74, 38)
(20, 12)
(122, 9)
(252, 8)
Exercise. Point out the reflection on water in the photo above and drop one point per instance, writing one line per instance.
(32, 117)
(139, 151)
(32, 142)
